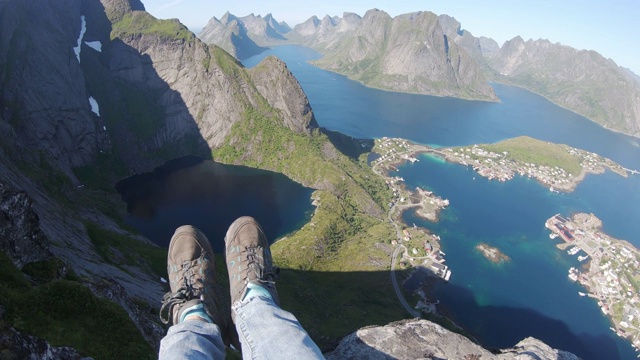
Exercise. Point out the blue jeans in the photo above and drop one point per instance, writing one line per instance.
(265, 330)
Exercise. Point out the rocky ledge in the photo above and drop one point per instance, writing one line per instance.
(422, 339)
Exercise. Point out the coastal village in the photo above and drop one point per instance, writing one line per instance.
(611, 270)
(502, 167)
(418, 247)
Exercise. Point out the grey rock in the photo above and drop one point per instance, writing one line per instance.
(20, 235)
(230, 34)
(409, 53)
(44, 96)
(244, 36)
(289, 99)
(15, 345)
(422, 339)
(582, 81)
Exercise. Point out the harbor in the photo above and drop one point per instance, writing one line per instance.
(611, 275)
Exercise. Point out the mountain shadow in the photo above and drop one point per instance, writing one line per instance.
(503, 326)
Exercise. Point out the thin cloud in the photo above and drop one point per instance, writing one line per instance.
(169, 5)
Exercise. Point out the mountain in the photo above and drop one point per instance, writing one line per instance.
(582, 81)
(95, 91)
(243, 37)
(230, 34)
(409, 53)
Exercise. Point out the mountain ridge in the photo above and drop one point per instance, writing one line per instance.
(582, 81)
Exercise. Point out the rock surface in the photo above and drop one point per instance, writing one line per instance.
(245, 36)
(15, 345)
(20, 235)
(231, 35)
(580, 80)
(422, 339)
(409, 53)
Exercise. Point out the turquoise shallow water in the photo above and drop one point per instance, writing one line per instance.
(531, 295)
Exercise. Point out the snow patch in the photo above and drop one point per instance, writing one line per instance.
(83, 30)
(96, 45)
(94, 105)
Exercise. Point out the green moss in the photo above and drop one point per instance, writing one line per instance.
(121, 249)
(44, 271)
(229, 65)
(66, 313)
(142, 23)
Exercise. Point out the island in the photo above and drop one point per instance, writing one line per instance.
(611, 274)
(492, 254)
(560, 167)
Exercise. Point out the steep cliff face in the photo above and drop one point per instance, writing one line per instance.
(410, 53)
(421, 339)
(580, 80)
(43, 94)
(102, 87)
(290, 99)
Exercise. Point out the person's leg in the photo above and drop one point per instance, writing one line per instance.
(192, 305)
(194, 340)
(265, 330)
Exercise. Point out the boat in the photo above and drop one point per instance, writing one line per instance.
(573, 274)
(583, 258)
(581, 293)
(447, 276)
(574, 250)
(553, 236)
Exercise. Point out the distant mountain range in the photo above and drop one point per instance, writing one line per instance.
(429, 54)
(242, 37)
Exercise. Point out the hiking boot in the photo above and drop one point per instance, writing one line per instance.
(248, 260)
(190, 268)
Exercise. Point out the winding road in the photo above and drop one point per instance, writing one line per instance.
(394, 259)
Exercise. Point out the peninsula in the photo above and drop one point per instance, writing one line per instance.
(560, 167)
(611, 274)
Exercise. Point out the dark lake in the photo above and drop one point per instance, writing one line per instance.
(211, 196)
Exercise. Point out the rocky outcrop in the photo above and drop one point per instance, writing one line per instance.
(289, 99)
(409, 53)
(422, 339)
(20, 235)
(582, 81)
(15, 345)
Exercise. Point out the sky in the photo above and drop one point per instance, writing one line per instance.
(610, 27)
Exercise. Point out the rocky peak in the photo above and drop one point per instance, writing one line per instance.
(280, 27)
(116, 9)
(277, 84)
(328, 21)
(308, 27)
(227, 18)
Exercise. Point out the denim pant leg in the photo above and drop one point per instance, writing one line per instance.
(194, 340)
(268, 332)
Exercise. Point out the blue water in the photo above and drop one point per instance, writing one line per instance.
(531, 295)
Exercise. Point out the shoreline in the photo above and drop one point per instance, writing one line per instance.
(555, 179)
(609, 275)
